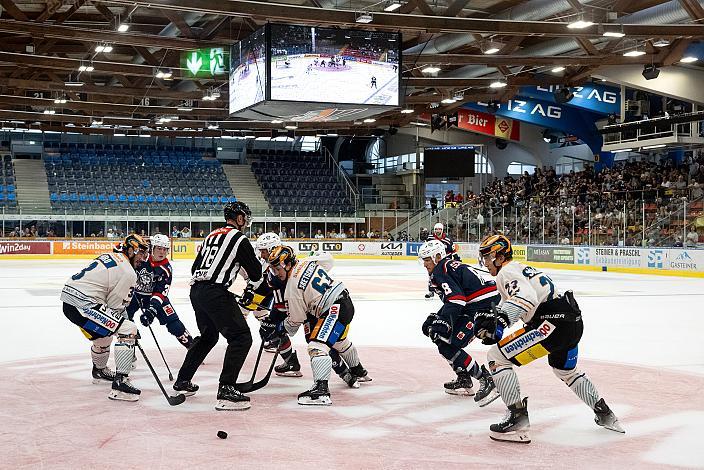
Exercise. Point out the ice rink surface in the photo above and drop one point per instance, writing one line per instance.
(641, 346)
(351, 84)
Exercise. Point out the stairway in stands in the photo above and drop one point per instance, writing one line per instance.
(246, 188)
(32, 186)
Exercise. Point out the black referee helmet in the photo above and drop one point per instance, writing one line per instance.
(233, 209)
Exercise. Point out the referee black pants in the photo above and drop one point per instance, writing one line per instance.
(217, 313)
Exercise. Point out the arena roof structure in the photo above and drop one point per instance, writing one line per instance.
(96, 66)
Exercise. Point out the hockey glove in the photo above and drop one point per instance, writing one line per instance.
(147, 316)
(440, 330)
(269, 330)
(426, 324)
(247, 299)
(490, 326)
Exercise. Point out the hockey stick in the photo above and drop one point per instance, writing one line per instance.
(173, 401)
(251, 385)
(171, 377)
(259, 306)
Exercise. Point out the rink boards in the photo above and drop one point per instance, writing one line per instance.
(664, 261)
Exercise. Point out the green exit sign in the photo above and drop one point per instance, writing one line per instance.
(204, 62)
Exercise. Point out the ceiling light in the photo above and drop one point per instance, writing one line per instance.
(99, 48)
(613, 34)
(73, 83)
(558, 69)
(393, 6)
(364, 17)
(144, 135)
(184, 108)
(82, 68)
(213, 126)
(448, 101)
(291, 127)
(276, 121)
(634, 53)
(580, 24)
(661, 43)
(250, 136)
(431, 69)
(107, 49)
(369, 120)
(331, 134)
(497, 84)
(90, 68)
(621, 150)
(49, 111)
(123, 27)
(658, 146)
(97, 122)
(119, 134)
(164, 74)
(357, 123)
(492, 50)
(406, 111)
(689, 59)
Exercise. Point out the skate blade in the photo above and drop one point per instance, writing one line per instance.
(226, 405)
(184, 393)
(615, 426)
(270, 350)
(366, 378)
(519, 437)
(322, 401)
(488, 399)
(462, 392)
(101, 381)
(353, 385)
(292, 373)
(122, 396)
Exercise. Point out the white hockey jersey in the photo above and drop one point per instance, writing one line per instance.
(310, 290)
(523, 288)
(109, 280)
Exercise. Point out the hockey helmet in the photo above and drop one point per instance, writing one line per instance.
(431, 249)
(492, 246)
(233, 209)
(282, 255)
(160, 240)
(438, 229)
(267, 241)
(134, 241)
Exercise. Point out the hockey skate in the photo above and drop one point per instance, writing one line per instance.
(604, 417)
(487, 389)
(123, 390)
(185, 387)
(349, 378)
(360, 373)
(271, 345)
(230, 399)
(515, 425)
(290, 368)
(430, 295)
(104, 375)
(319, 394)
(462, 385)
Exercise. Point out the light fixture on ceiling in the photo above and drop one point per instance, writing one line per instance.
(661, 43)
(558, 69)
(213, 126)
(636, 51)
(291, 127)
(657, 146)
(97, 121)
(497, 84)
(164, 74)
(119, 134)
(86, 67)
(650, 72)
(491, 47)
(431, 69)
(621, 150)
(106, 48)
(448, 101)
(492, 50)
(73, 83)
(393, 6)
(614, 33)
(580, 24)
(49, 111)
(406, 111)
(689, 59)
(184, 108)
(60, 99)
(364, 17)
(123, 27)
(369, 120)
(276, 121)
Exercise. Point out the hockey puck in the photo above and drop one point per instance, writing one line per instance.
(222, 434)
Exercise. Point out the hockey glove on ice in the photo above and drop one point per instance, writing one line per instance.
(147, 316)
(269, 330)
(426, 324)
(440, 330)
(249, 299)
(490, 326)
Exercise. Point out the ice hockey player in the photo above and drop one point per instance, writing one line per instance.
(95, 300)
(553, 327)
(312, 296)
(440, 235)
(464, 295)
(154, 277)
(373, 84)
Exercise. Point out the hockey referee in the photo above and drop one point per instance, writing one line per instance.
(224, 251)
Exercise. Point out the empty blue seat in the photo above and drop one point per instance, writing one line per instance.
(112, 198)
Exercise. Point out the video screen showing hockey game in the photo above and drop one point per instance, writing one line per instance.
(248, 71)
(334, 65)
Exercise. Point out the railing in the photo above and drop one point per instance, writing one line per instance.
(654, 131)
(342, 178)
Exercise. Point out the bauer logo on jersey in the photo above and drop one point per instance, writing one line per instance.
(511, 346)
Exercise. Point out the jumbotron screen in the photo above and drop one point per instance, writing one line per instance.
(248, 71)
(334, 65)
(448, 161)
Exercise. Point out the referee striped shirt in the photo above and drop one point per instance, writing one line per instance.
(224, 251)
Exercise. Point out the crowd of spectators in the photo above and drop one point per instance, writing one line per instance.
(597, 205)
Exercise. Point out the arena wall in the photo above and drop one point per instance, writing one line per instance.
(660, 261)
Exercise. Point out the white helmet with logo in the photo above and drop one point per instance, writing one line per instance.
(438, 228)
(160, 240)
(431, 249)
(268, 241)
